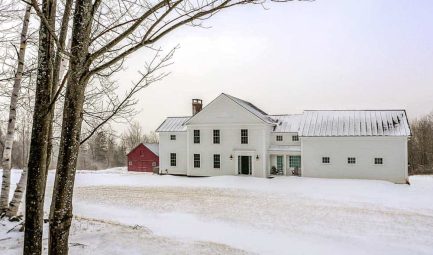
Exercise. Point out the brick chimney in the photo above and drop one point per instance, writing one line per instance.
(197, 105)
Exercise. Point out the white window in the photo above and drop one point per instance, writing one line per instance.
(130, 163)
(244, 136)
(378, 161)
(172, 137)
(216, 161)
(196, 160)
(196, 136)
(172, 159)
(295, 138)
(153, 164)
(326, 160)
(216, 136)
(351, 160)
(279, 138)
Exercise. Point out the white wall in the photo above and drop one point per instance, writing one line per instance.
(230, 144)
(393, 150)
(167, 146)
(229, 117)
(287, 139)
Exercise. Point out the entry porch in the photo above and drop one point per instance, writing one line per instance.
(284, 160)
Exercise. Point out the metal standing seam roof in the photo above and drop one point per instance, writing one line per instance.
(355, 123)
(253, 109)
(173, 124)
(288, 123)
(153, 147)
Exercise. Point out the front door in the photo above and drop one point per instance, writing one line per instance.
(244, 165)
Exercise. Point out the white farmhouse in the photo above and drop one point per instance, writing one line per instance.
(231, 136)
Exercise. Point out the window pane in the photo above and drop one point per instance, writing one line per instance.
(295, 161)
(216, 161)
(295, 138)
(244, 136)
(196, 160)
(172, 159)
(378, 161)
(280, 163)
(172, 137)
(279, 138)
(326, 160)
(351, 160)
(196, 136)
(216, 136)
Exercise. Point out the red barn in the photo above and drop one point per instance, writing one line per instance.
(144, 157)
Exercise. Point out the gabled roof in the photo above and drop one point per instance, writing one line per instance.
(252, 108)
(153, 147)
(173, 124)
(355, 123)
(288, 123)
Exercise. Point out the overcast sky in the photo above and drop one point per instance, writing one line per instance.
(327, 54)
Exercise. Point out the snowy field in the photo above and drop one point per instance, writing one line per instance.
(135, 213)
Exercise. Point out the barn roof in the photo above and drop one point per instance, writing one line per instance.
(173, 124)
(355, 123)
(153, 147)
(288, 123)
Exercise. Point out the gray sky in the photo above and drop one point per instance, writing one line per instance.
(327, 54)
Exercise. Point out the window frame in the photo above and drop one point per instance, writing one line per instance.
(295, 138)
(216, 161)
(130, 163)
(378, 164)
(196, 160)
(324, 159)
(292, 161)
(172, 137)
(351, 160)
(279, 138)
(216, 136)
(244, 136)
(173, 159)
(196, 136)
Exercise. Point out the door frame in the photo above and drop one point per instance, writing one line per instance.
(236, 158)
(250, 164)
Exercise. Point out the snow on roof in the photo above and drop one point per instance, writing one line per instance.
(288, 123)
(173, 124)
(153, 147)
(252, 108)
(355, 123)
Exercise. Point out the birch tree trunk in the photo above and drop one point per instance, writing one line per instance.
(18, 195)
(71, 129)
(37, 170)
(7, 153)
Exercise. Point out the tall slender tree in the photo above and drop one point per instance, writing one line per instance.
(37, 164)
(7, 153)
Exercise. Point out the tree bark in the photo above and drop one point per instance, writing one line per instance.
(7, 153)
(71, 129)
(37, 170)
(18, 195)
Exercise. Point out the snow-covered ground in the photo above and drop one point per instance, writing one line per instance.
(136, 213)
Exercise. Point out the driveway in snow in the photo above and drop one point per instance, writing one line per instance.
(241, 215)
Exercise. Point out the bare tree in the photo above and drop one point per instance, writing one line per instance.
(421, 146)
(7, 153)
(104, 33)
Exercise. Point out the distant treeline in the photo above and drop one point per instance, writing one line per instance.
(105, 149)
(421, 146)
